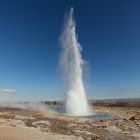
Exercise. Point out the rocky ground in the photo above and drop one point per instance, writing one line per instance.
(125, 127)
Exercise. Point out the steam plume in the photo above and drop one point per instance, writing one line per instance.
(72, 65)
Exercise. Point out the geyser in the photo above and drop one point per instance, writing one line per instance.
(72, 66)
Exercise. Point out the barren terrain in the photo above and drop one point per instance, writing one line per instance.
(21, 124)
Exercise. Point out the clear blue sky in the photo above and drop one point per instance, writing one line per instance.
(109, 32)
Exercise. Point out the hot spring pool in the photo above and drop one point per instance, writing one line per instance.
(100, 116)
(95, 115)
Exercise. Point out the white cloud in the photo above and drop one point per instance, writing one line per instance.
(7, 91)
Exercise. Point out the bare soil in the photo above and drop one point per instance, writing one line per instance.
(19, 124)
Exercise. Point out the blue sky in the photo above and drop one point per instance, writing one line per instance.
(109, 32)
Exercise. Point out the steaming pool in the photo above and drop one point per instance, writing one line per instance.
(95, 115)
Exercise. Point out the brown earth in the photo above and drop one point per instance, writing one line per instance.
(36, 125)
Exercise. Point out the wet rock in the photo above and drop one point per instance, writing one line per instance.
(132, 118)
(87, 126)
(29, 123)
(102, 126)
(124, 119)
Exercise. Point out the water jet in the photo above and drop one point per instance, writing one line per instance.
(72, 65)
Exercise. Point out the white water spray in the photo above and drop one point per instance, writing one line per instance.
(72, 65)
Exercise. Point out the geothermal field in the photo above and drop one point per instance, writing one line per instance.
(112, 120)
(75, 117)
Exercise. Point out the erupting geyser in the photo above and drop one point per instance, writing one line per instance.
(72, 65)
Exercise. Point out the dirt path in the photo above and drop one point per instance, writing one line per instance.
(10, 133)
